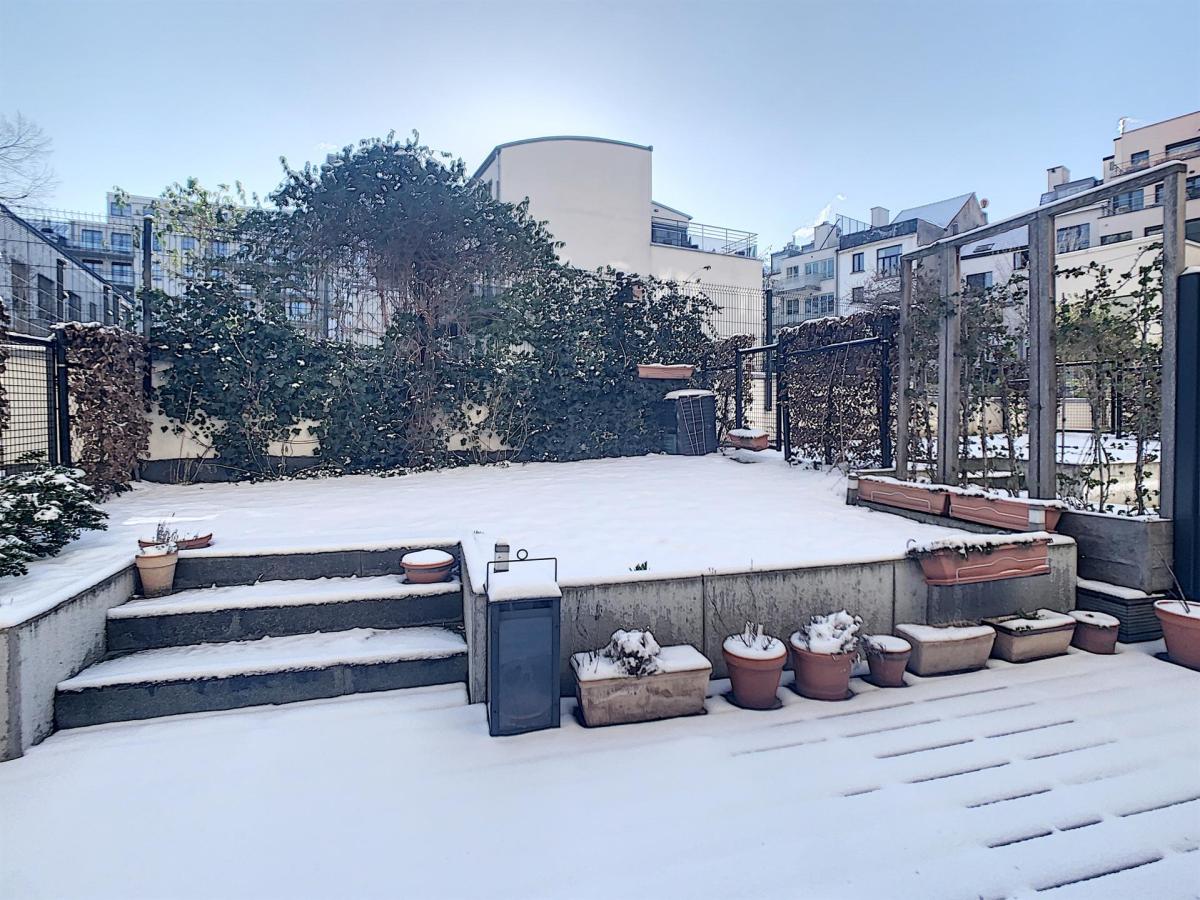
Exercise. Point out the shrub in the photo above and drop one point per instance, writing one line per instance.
(41, 512)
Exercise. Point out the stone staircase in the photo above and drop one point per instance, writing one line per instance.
(321, 625)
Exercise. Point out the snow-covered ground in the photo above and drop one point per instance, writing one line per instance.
(1073, 447)
(679, 515)
(998, 783)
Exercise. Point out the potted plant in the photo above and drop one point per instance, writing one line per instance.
(633, 679)
(1001, 511)
(755, 664)
(156, 562)
(1026, 636)
(823, 654)
(968, 560)
(887, 656)
(927, 498)
(949, 647)
(427, 566)
(749, 439)
(662, 371)
(1180, 620)
(1095, 632)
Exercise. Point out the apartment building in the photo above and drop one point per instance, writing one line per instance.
(804, 277)
(596, 196)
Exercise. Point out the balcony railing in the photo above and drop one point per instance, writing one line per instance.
(1155, 159)
(708, 238)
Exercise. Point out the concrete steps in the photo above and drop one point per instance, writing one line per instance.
(270, 670)
(280, 608)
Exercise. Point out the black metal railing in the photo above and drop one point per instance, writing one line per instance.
(709, 238)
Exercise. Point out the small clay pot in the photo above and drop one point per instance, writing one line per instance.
(755, 681)
(887, 666)
(1180, 631)
(157, 573)
(1095, 632)
(822, 676)
(427, 566)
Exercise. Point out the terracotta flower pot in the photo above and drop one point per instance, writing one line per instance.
(949, 565)
(1004, 512)
(755, 680)
(663, 372)
(1181, 631)
(903, 496)
(427, 566)
(157, 572)
(822, 676)
(1095, 632)
(887, 659)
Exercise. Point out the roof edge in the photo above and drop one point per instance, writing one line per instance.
(554, 137)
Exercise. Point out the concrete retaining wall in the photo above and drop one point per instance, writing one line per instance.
(39, 653)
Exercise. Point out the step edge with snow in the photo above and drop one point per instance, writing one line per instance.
(205, 568)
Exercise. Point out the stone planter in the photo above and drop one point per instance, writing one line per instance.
(677, 689)
(1020, 639)
(1181, 631)
(821, 676)
(887, 657)
(659, 371)
(904, 495)
(1122, 550)
(156, 571)
(1134, 609)
(749, 439)
(939, 650)
(972, 564)
(1004, 512)
(754, 678)
(1095, 632)
(427, 566)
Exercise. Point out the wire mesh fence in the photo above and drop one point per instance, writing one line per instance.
(34, 386)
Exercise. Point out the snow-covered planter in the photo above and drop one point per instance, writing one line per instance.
(823, 655)
(187, 542)
(1024, 636)
(1001, 511)
(755, 664)
(1180, 620)
(427, 566)
(926, 498)
(156, 568)
(953, 647)
(633, 679)
(749, 438)
(665, 372)
(975, 558)
(1095, 632)
(888, 656)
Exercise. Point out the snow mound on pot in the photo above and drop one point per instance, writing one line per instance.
(753, 644)
(833, 633)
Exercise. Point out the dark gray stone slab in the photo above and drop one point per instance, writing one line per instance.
(205, 571)
(126, 702)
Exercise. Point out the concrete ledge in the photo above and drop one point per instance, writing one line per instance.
(39, 653)
(1134, 553)
(204, 569)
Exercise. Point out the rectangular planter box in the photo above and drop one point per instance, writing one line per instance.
(1134, 609)
(1003, 512)
(1133, 553)
(1042, 639)
(949, 565)
(938, 651)
(662, 372)
(904, 496)
(678, 689)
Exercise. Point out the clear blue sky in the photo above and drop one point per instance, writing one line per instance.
(760, 113)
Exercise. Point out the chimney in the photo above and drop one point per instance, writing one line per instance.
(880, 216)
(821, 234)
(1056, 176)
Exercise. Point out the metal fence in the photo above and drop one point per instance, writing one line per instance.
(35, 390)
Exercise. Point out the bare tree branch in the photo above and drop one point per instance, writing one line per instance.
(25, 173)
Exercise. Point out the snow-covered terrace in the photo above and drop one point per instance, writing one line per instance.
(1068, 778)
(682, 516)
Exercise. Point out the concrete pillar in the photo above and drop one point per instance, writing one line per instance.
(1043, 374)
(949, 368)
(1174, 207)
(903, 379)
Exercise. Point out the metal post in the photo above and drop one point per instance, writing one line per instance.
(1174, 189)
(885, 394)
(1043, 373)
(949, 368)
(738, 421)
(62, 398)
(60, 290)
(768, 364)
(106, 313)
(147, 272)
(904, 346)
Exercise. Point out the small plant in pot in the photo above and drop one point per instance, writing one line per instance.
(755, 664)
(887, 655)
(156, 563)
(823, 655)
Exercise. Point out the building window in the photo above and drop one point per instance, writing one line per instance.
(74, 307)
(187, 243)
(856, 296)
(979, 282)
(118, 209)
(1140, 158)
(1152, 229)
(1129, 201)
(1193, 187)
(220, 248)
(92, 317)
(819, 267)
(1191, 230)
(856, 262)
(96, 265)
(122, 272)
(91, 238)
(887, 261)
(47, 307)
(123, 241)
(19, 278)
(1115, 238)
(793, 271)
(1020, 260)
(1073, 237)
(1182, 148)
(300, 310)
(793, 306)
(820, 305)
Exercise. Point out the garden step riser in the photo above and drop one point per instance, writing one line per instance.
(206, 571)
(219, 626)
(148, 700)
